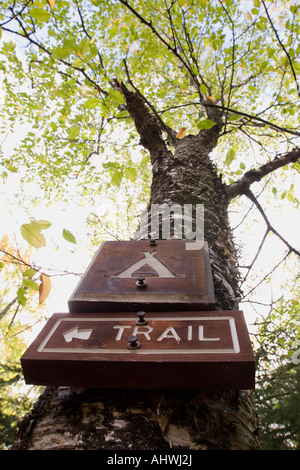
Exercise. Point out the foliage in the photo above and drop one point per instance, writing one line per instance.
(16, 323)
(278, 375)
(179, 55)
(16, 398)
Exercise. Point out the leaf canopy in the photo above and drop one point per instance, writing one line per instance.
(183, 56)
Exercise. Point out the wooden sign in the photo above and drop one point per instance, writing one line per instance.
(160, 275)
(143, 350)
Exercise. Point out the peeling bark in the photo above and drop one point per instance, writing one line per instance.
(139, 420)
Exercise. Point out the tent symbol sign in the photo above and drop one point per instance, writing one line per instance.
(148, 266)
(175, 277)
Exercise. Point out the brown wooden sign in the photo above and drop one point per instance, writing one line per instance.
(152, 350)
(160, 275)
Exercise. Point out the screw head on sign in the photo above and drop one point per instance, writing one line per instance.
(141, 320)
(141, 283)
(133, 342)
(152, 241)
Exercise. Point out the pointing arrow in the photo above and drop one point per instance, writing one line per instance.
(76, 333)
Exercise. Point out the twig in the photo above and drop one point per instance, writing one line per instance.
(270, 228)
(256, 255)
(268, 274)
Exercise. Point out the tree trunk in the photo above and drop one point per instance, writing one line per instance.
(159, 420)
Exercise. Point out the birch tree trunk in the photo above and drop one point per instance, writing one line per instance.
(159, 420)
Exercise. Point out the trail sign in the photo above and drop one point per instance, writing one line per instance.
(161, 275)
(164, 350)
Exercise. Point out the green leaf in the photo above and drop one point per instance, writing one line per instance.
(116, 178)
(131, 174)
(74, 132)
(116, 96)
(29, 272)
(77, 63)
(40, 14)
(42, 224)
(83, 47)
(235, 117)
(31, 285)
(206, 124)
(21, 297)
(69, 236)
(230, 155)
(61, 53)
(92, 103)
(32, 234)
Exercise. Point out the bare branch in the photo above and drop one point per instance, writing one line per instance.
(268, 274)
(243, 184)
(255, 119)
(257, 254)
(15, 15)
(270, 228)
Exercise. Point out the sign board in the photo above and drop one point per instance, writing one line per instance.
(152, 350)
(161, 275)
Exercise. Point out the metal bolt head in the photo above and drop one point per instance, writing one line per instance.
(141, 283)
(152, 242)
(141, 320)
(133, 342)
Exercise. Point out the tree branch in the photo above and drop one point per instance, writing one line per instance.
(254, 118)
(243, 184)
(256, 255)
(19, 13)
(266, 275)
(171, 133)
(8, 307)
(270, 228)
(148, 125)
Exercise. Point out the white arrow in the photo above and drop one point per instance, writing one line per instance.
(76, 333)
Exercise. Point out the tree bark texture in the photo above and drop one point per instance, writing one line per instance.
(159, 420)
(139, 420)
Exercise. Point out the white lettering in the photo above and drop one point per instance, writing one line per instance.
(120, 332)
(118, 460)
(169, 332)
(168, 459)
(143, 330)
(201, 335)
